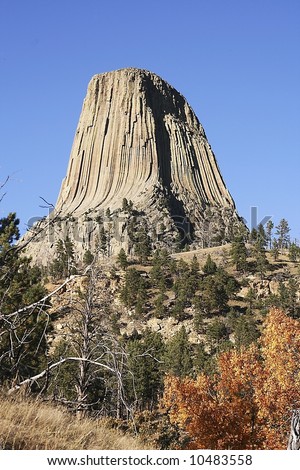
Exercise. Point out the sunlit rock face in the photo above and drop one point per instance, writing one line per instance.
(138, 138)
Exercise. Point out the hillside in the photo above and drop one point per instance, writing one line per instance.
(35, 425)
(117, 337)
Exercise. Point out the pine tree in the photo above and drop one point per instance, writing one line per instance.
(23, 342)
(199, 315)
(217, 332)
(253, 235)
(133, 293)
(141, 298)
(194, 277)
(245, 331)
(210, 266)
(239, 254)
(146, 366)
(214, 295)
(194, 266)
(160, 308)
(250, 297)
(142, 246)
(287, 294)
(269, 228)
(178, 357)
(88, 258)
(125, 205)
(201, 358)
(122, 259)
(261, 236)
(294, 252)
(156, 273)
(103, 241)
(64, 264)
(178, 309)
(275, 249)
(282, 232)
(260, 258)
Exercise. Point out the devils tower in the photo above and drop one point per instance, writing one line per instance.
(138, 140)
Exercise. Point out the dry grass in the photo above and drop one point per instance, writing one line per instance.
(37, 426)
(216, 252)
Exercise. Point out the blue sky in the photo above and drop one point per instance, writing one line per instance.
(236, 61)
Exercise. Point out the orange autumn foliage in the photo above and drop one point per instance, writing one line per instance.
(279, 392)
(248, 403)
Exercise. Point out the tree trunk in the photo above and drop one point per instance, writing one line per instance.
(294, 439)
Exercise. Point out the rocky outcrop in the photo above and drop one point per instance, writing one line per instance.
(139, 139)
(136, 134)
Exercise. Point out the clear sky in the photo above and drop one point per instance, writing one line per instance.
(236, 61)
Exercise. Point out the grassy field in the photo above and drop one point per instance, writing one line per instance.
(32, 425)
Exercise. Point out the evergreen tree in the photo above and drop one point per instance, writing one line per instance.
(250, 297)
(103, 241)
(142, 246)
(125, 205)
(288, 300)
(239, 254)
(133, 293)
(210, 266)
(194, 266)
(178, 356)
(260, 258)
(269, 228)
(261, 236)
(160, 308)
(23, 327)
(245, 331)
(253, 236)
(185, 286)
(216, 290)
(122, 259)
(99, 219)
(275, 249)
(201, 359)
(157, 273)
(141, 298)
(178, 309)
(145, 363)
(294, 252)
(199, 315)
(217, 331)
(194, 276)
(88, 258)
(64, 264)
(282, 232)
(229, 282)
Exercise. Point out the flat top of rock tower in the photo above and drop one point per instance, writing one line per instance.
(127, 71)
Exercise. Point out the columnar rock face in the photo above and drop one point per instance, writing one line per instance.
(136, 131)
(139, 139)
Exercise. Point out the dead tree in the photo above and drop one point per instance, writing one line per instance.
(88, 352)
(294, 439)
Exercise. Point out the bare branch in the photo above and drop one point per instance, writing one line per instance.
(43, 300)
(49, 204)
(2, 186)
(42, 374)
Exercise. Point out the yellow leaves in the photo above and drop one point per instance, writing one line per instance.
(280, 389)
(248, 403)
